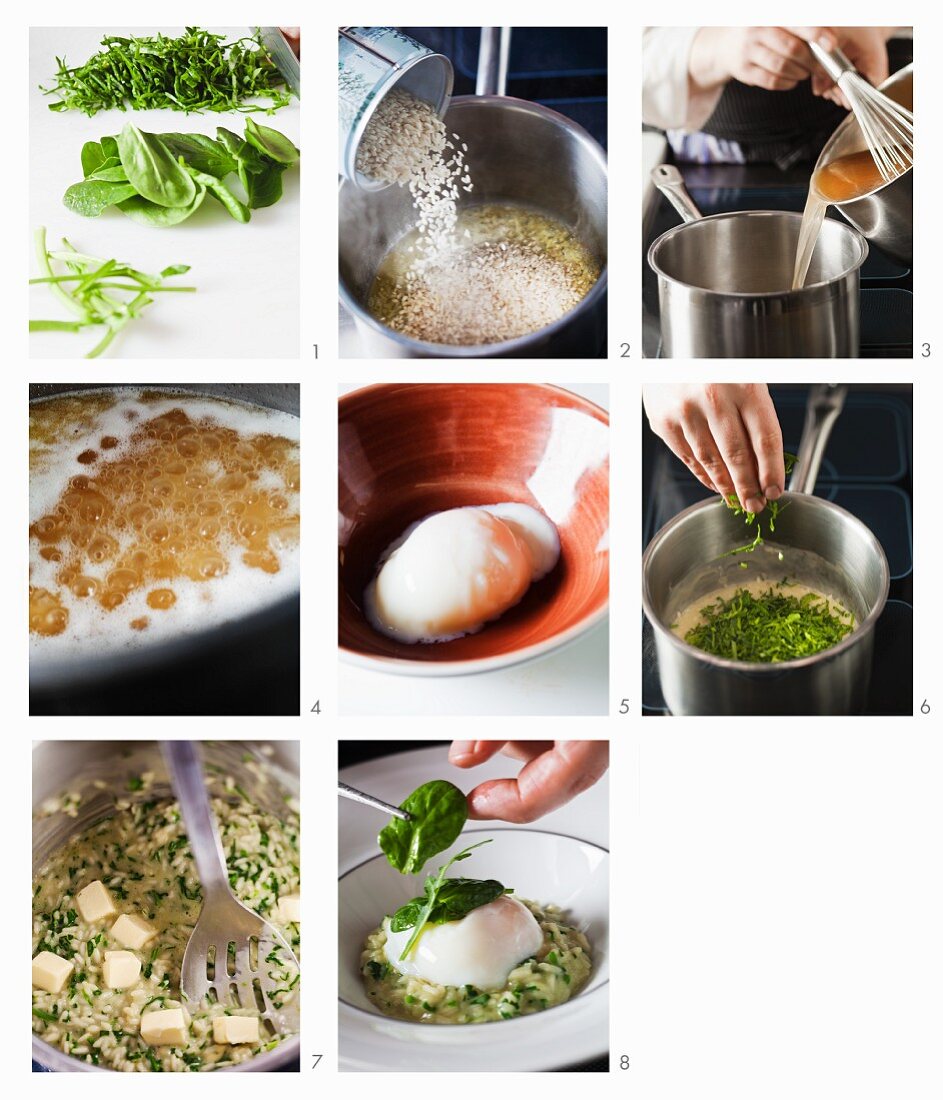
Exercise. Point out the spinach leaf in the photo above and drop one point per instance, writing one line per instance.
(248, 160)
(264, 188)
(157, 176)
(110, 147)
(220, 191)
(144, 212)
(455, 898)
(201, 152)
(271, 142)
(90, 197)
(110, 173)
(92, 157)
(438, 812)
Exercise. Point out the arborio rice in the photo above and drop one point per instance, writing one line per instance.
(450, 280)
(142, 856)
(556, 973)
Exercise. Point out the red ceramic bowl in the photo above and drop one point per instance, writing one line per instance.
(406, 451)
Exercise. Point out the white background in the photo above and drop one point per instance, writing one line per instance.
(246, 275)
(777, 882)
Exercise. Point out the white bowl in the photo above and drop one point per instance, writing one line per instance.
(544, 867)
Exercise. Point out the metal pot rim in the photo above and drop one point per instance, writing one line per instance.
(739, 295)
(505, 347)
(756, 668)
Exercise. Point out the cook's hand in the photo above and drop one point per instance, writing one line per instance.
(775, 58)
(866, 49)
(727, 434)
(553, 773)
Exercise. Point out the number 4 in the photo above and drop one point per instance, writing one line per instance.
(316, 709)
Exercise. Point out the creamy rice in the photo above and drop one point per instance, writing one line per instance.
(141, 854)
(556, 973)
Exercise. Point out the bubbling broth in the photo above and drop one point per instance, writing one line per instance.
(155, 514)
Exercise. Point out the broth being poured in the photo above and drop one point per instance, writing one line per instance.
(843, 179)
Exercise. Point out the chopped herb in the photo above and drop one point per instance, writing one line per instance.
(196, 71)
(770, 627)
(773, 508)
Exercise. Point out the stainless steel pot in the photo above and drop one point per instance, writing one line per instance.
(723, 284)
(60, 766)
(886, 215)
(520, 153)
(822, 545)
(248, 666)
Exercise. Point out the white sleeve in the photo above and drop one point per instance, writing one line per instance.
(667, 101)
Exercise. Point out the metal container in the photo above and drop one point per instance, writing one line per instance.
(723, 284)
(371, 60)
(822, 544)
(246, 666)
(885, 216)
(520, 153)
(77, 765)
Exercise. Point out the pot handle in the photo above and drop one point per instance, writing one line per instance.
(823, 406)
(670, 183)
(493, 52)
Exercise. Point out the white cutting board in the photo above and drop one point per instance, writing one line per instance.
(247, 301)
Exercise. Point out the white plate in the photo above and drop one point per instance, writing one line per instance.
(561, 859)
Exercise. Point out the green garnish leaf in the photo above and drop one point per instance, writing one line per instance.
(438, 812)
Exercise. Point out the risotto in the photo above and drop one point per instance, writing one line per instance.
(558, 970)
(132, 875)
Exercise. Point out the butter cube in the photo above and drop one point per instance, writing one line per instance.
(121, 970)
(164, 1028)
(236, 1029)
(95, 902)
(289, 909)
(50, 972)
(132, 931)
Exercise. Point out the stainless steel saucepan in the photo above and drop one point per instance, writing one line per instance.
(886, 215)
(520, 153)
(724, 283)
(816, 543)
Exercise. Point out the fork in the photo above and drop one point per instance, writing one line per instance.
(233, 956)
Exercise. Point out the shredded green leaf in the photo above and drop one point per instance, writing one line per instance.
(773, 626)
(197, 71)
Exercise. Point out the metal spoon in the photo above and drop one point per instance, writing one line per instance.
(228, 955)
(354, 795)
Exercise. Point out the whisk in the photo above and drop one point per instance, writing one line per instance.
(888, 127)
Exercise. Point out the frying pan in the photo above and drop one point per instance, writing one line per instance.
(821, 544)
(249, 665)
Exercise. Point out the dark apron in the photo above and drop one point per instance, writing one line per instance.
(782, 128)
(785, 128)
